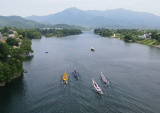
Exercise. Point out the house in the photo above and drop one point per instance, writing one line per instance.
(11, 35)
(19, 43)
(14, 32)
(3, 41)
(14, 47)
(145, 36)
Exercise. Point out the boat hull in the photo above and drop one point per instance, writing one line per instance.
(97, 88)
(104, 79)
(92, 49)
(65, 77)
(75, 74)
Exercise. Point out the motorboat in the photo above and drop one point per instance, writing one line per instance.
(92, 49)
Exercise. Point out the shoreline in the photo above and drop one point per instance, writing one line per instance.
(139, 42)
(3, 84)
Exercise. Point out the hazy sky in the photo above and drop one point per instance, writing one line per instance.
(44, 7)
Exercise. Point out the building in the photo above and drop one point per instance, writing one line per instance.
(11, 35)
(3, 41)
(14, 47)
(145, 36)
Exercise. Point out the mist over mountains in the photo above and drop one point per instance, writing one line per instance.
(117, 18)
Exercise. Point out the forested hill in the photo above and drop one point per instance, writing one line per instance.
(19, 22)
(117, 18)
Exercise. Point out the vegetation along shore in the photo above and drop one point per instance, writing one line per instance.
(146, 37)
(15, 46)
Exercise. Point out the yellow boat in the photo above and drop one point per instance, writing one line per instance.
(65, 77)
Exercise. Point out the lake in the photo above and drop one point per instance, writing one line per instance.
(132, 70)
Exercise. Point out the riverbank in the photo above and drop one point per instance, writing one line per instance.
(11, 58)
(145, 37)
(148, 42)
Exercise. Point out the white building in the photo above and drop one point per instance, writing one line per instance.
(145, 36)
(11, 35)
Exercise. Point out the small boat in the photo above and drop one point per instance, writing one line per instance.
(92, 49)
(104, 79)
(98, 89)
(24, 71)
(65, 78)
(75, 74)
(46, 52)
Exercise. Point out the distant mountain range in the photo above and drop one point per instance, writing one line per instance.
(19, 22)
(118, 18)
(73, 18)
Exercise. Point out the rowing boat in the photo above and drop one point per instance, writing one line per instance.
(75, 74)
(65, 78)
(95, 85)
(104, 79)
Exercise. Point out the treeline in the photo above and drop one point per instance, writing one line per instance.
(21, 33)
(133, 32)
(59, 33)
(37, 33)
(104, 32)
(155, 35)
(128, 34)
(29, 33)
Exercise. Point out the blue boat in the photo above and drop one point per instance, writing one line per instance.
(75, 74)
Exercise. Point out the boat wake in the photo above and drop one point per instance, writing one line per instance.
(81, 97)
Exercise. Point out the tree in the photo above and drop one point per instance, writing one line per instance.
(127, 37)
(12, 41)
(5, 34)
(4, 51)
(16, 34)
(1, 73)
(7, 73)
(5, 29)
(17, 53)
(20, 36)
(26, 46)
(10, 32)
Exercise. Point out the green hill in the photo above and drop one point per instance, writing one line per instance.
(19, 22)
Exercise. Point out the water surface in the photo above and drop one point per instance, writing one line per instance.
(131, 68)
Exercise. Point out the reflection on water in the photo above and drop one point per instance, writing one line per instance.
(28, 58)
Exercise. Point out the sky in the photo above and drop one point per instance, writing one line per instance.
(26, 8)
